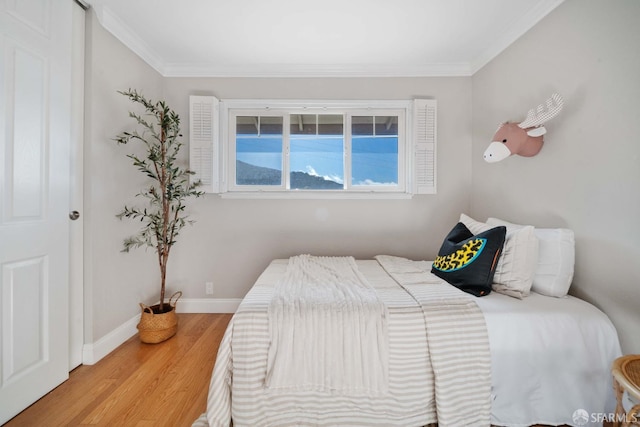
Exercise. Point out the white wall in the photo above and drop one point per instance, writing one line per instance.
(233, 240)
(587, 176)
(114, 282)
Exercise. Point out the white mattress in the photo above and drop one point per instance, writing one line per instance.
(549, 358)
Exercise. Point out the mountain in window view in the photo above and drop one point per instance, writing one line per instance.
(248, 174)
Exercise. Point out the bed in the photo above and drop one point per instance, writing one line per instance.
(547, 360)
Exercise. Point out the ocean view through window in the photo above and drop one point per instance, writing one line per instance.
(259, 150)
(287, 150)
(374, 150)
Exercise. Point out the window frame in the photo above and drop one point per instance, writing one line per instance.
(232, 108)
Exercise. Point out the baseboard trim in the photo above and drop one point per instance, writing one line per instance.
(93, 352)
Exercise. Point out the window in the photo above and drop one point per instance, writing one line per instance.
(315, 148)
(258, 152)
(338, 150)
(376, 150)
(316, 152)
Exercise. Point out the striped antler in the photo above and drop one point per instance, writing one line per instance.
(544, 112)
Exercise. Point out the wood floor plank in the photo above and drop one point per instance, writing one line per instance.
(138, 384)
(129, 401)
(134, 391)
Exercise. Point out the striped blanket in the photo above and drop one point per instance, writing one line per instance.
(458, 343)
(438, 370)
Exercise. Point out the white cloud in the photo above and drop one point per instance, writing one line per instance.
(311, 171)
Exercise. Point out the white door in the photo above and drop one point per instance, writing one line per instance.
(35, 121)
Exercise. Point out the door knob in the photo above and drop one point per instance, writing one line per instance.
(73, 215)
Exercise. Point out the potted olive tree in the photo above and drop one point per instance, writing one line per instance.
(164, 215)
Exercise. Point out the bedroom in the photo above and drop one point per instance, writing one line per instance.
(586, 177)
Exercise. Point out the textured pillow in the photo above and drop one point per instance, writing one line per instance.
(468, 261)
(556, 259)
(517, 265)
(473, 225)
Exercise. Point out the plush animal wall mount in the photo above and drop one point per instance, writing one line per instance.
(524, 138)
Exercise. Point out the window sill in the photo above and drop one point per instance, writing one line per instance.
(317, 195)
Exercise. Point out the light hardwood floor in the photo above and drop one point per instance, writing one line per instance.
(138, 384)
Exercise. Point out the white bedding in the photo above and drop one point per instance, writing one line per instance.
(549, 358)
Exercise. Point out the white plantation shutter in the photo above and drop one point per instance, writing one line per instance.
(424, 145)
(203, 141)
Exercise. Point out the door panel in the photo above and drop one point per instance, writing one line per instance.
(23, 281)
(26, 143)
(35, 121)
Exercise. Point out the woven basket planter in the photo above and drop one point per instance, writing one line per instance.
(156, 326)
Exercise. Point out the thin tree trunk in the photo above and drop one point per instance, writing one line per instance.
(164, 253)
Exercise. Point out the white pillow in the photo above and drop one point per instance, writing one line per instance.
(517, 264)
(556, 259)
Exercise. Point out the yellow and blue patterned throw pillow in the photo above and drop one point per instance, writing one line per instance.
(468, 261)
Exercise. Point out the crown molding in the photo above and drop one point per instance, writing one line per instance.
(315, 70)
(128, 37)
(513, 32)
